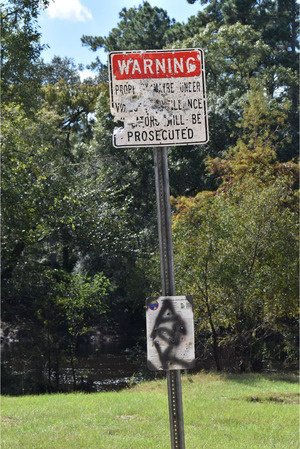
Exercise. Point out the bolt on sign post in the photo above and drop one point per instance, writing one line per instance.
(159, 98)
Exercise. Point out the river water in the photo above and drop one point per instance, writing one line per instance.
(107, 367)
(111, 367)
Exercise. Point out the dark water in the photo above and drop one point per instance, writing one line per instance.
(111, 367)
(107, 367)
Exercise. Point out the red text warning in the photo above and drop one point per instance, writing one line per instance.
(145, 65)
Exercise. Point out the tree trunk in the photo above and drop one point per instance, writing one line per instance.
(211, 323)
(13, 259)
(215, 345)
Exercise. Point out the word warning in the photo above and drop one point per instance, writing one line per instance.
(159, 96)
(170, 333)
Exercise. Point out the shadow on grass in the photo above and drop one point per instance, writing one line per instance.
(251, 379)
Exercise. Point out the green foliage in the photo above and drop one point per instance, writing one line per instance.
(235, 249)
(20, 52)
(81, 298)
(263, 137)
(61, 69)
(228, 66)
(277, 22)
(79, 218)
(229, 73)
(58, 208)
(140, 28)
(28, 176)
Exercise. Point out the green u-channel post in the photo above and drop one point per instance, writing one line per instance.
(168, 285)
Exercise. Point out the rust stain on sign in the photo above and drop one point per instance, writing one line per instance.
(159, 96)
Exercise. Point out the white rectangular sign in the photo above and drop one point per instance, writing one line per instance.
(159, 95)
(170, 333)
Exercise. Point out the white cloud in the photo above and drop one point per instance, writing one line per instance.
(69, 10)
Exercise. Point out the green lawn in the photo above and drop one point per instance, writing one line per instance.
(220, 412)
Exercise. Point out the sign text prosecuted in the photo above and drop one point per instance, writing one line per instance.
(159, 96)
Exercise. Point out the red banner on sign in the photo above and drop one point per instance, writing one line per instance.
(171, 64)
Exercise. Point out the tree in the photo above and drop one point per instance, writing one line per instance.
(276, 22)
(229, 72)
(82, 301)
(78, 212)
(52, 193)
(74, 101)
(130, 171)
(234, 253)
(27, 176)
(61, 69)
(230, 75)
(58, 210)
(263, 139)
(140, 28)
(236, 247)
(20, 52)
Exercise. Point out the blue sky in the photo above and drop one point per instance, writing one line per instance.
(64, 22)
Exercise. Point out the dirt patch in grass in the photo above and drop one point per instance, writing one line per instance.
(127, 417)
(8, 419)
(288, 398)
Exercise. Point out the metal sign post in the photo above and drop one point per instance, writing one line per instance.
(158, 99)
(168, 286)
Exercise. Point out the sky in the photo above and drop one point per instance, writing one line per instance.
(64, 22)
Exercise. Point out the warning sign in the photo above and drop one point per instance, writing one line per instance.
(159, 96)
(170, 333)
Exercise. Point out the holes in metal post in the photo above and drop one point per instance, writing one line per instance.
(174, 411)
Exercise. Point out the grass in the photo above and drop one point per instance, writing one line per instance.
(220, 412)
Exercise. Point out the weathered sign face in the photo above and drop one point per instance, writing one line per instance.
(159, 96)
(170, 333)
